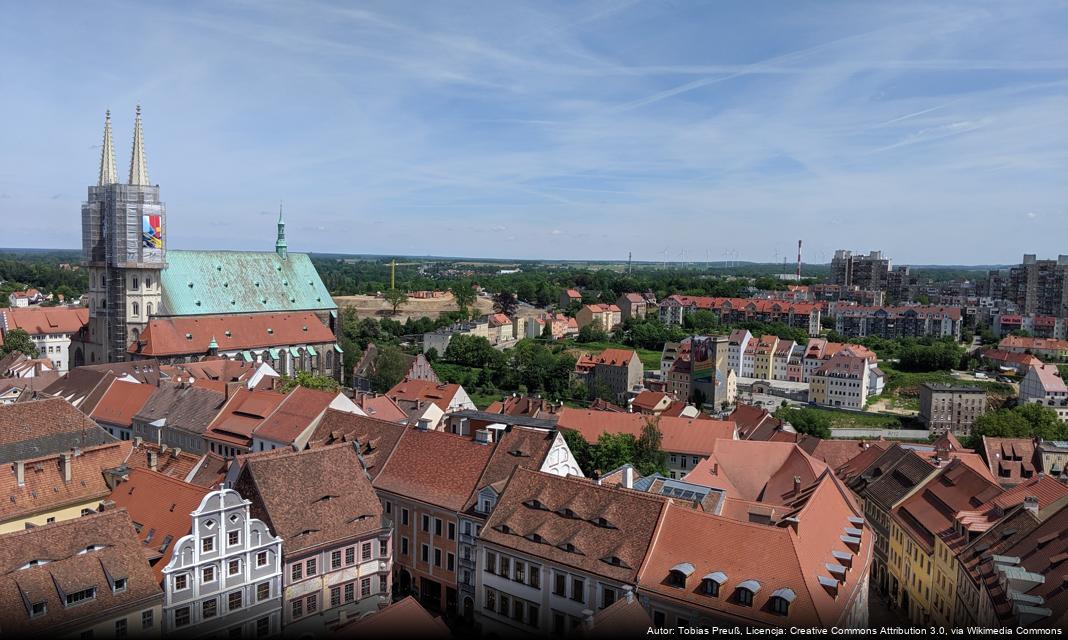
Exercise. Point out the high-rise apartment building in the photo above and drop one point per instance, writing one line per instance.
(869, 272)
(1040, 286)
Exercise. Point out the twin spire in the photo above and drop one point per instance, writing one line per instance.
(138, 166)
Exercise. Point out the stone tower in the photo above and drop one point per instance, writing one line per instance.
(123, 248)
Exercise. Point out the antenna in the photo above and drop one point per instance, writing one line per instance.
(630, 259)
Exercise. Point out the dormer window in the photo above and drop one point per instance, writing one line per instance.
(535, 537)
(678, 575)
(570, 548)
(567, 512)
(745, 592)
(504, 528)
(781, 599)
(534, 503)
(603, 523)
(81, 596)
(119, 585)
(38, 609)
(711, 583)
(615, 561)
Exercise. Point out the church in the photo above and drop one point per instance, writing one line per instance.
(146, 301)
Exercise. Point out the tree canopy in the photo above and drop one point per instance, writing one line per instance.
(1030, 420)
(18, 340)
(806, 420)
(308, 380)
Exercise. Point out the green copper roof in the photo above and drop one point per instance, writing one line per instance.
(216, 282)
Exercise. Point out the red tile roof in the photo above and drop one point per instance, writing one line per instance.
(424, 390)
(377, 437)
(757, 305)
(121, 402)
(608, 357)
(405, 618)
(1010, 460)
(45, 320)
(381, 407)
(240, 416)
(159, 507)
(192, 334)
(756, 471)
(1034, 344)
(434, 467)
(300, 408)
(680, 435)
(775, 558)
(933, 508)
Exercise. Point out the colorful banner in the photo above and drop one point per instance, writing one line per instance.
(703, 359)
(152, 238)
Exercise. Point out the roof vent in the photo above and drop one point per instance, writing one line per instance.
(190, 283)
(218, 267)
(197, 303)
(270, 330)
(188, 336)
(257, 283)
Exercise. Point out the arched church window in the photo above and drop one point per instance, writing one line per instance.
(148, 308)
(148, 283)
(134, 281)
(136, 310)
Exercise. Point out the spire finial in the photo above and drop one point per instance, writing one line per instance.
(138, 166)
(107, 174)
(280, 246)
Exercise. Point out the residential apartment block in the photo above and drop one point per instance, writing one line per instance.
(50, 328)
(950, 407)
(803, 315)
(869, 272)
(1040, 286)
(616, 371)
(845, 380)
(899, 322)
(609, 316)
(1042, 384)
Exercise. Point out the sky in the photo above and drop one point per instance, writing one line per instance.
(586, 129)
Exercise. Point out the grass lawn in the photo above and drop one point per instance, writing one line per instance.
(905, 384)
(854, 420)
(650, 358)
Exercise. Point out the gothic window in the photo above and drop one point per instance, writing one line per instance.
(134, 282)
(148, 308)
(136, 310)
(148, 283)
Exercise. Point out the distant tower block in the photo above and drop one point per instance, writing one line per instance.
(799, 260)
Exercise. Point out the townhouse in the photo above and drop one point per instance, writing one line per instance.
(845, 381)
(613, 371)
(50, 329)
(803, 315)
(116, 409)
(178, 416)
(609, 316)
(1042, 384)
(79, 578)
(635, 305)
(417, 368)
(1011, 460)
(1044, 348)
(225, 575)
(337, 550)
(555, 548)
(428, 400)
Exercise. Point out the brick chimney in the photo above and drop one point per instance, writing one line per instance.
(1031, 504)
(65, 465)
(20, 473)
(153, 460)
(797, 484)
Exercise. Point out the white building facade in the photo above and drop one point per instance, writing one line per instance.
(226, 576)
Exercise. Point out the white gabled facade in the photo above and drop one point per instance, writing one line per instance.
(226, 575)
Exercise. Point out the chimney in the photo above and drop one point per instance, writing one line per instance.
(715, 468)
(628, 593)
(797, 485)
(484, 436)
(1031, 504)
(65, 464)
(423, 424)
(177, 452)
(152, 460)
(628, 478)
(137, 442)
(20, 473)
(596, 476)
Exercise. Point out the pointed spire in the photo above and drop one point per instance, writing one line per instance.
(280, 246)
(138, 167)
(108, 175)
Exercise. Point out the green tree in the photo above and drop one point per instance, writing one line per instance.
(649, 452)
(471, 351)
(18, 340)
(614, 450)
(1030, 420)
(580, 449)
(593, 332)
(389, 368)
(505, 302)
(464, 295)
(395, 298)
(805, 420)
(431, 355)
(308, 380)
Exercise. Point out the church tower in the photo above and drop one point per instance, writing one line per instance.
(123, 249)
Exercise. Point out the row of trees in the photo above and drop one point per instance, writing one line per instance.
(529, 367)
(1028, 420)
(40, 269)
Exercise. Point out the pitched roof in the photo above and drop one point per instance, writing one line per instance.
(159, 507)
(380, 407)
(679, 435)
(121, 402)
(193, 334)
(170, 461)
(314, 509)
(297, 411)
(70, 566)
(435, 467)
(404, 618)
(838, 452)
(934, 507)
(1010, 460)
(756, 471)
(609, 357)
(516, 447)
(631, 519)
(243, 412)
(190, 409)
(777, 557)
(622, 619)
(1032, 343)
(1049, 377)
(758, 305)
(43, 427)
(754, 423)
(217, 282)
(38, 321)
(408, 390)
(649, 400)
(45, 488)
(901, 477)
(377, 438)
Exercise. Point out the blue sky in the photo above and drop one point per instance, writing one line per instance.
(937, 132)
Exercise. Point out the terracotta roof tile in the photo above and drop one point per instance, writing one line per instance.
(41, 427)
(424, 390)
(192, 334)
(116, 551)
(405, 618)
(680, 435)
(434, 467)
(45, 320)
(377, 438)
(159, 507)
(121, 402)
